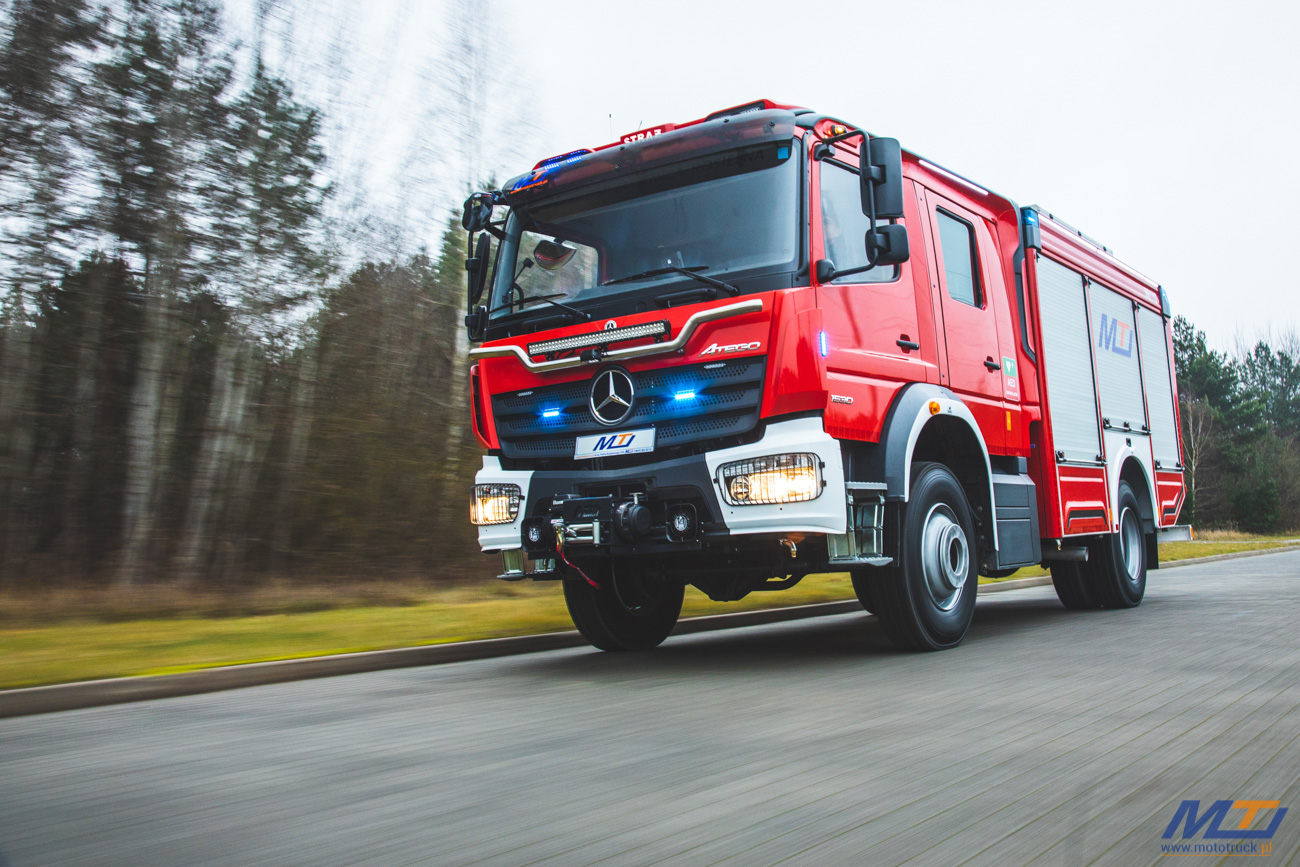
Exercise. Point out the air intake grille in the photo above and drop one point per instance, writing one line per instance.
(683, 404)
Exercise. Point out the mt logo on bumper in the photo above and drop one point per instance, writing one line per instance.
(630, 442)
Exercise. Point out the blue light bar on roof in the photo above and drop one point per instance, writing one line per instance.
(574, 155)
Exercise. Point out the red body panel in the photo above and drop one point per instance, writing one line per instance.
(835, 348)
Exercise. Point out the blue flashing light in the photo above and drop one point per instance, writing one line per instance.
(782, 153)
(550, 413)
(823, 343)
(684, 395)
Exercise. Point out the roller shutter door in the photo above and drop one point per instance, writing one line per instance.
(1119, 374)
(1159, 387)
(1067, 362)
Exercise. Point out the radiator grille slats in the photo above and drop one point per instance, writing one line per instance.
(718, 399)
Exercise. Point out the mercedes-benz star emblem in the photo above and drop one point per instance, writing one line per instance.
(611, 396)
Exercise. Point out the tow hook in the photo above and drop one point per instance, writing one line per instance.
(794, 551)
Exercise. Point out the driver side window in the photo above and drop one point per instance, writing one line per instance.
(844, 226)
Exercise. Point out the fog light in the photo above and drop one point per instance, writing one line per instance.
(494, 504)
(772, 479)
(682, 522)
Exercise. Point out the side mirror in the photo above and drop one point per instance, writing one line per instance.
(552, 255)
(478, 212)
(882, 178)
(477, 266)
(887, 245)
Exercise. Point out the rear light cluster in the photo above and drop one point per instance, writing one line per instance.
(791, 478)
(494, 504)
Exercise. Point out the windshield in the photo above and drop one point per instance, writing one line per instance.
(727, 216)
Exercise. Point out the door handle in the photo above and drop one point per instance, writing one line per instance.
(991, 364)
(903, 342)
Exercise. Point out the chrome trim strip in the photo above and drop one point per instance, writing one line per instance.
(753, 305)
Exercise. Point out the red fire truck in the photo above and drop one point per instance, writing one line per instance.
(765, 344)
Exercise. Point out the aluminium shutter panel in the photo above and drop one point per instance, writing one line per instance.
(1119, 375)
(1159, 387)
(1067, 361)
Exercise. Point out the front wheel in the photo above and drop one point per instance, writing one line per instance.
(927, 601)
(630, 611)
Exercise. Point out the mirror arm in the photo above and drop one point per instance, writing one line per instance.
(848, 271)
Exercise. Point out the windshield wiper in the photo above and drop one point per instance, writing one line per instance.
(669, 269)
(523, 299)
(585, 317)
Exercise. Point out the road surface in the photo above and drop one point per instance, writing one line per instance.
(1049, 736)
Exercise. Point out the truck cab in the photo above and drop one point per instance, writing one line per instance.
(765, 344)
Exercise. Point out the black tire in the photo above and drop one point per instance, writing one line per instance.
(630, 611)
(1071, 582)
(862, 579)
(1117, 563)
(927, 600)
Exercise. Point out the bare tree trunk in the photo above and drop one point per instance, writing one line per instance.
(229, 460)
(83, 426)
(303, 399)
(142, 440)
(15, 433)
(196, 530)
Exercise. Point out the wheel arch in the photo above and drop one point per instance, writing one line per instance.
(1133, 472)
(914, 431)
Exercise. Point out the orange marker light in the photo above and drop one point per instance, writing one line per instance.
(934, 407)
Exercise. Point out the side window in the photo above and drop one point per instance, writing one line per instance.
(957, 240)
(844, 226)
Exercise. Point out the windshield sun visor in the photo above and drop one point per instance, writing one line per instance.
(581, 169)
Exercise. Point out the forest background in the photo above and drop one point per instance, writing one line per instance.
(222, 363)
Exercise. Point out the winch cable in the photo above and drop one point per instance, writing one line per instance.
(559, 549)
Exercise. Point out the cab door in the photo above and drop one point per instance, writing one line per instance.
(961, 247)
(878, 330)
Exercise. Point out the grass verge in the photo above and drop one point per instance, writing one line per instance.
(50, 647)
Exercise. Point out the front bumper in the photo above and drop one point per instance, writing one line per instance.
(691, 480)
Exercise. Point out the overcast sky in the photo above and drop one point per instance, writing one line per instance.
(1164, 130)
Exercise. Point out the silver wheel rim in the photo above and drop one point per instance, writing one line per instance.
(945, 556)
(1130, 540)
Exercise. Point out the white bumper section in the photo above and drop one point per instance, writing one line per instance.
(825, 514)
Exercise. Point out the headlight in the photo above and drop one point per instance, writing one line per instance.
(771, 479)
(494, 504)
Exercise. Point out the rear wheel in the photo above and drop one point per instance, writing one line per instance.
(1071, 582)
(927, 600)
(1117, 563)
(631, 610)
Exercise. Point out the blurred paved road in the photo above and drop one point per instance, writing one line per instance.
(1049, 736)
